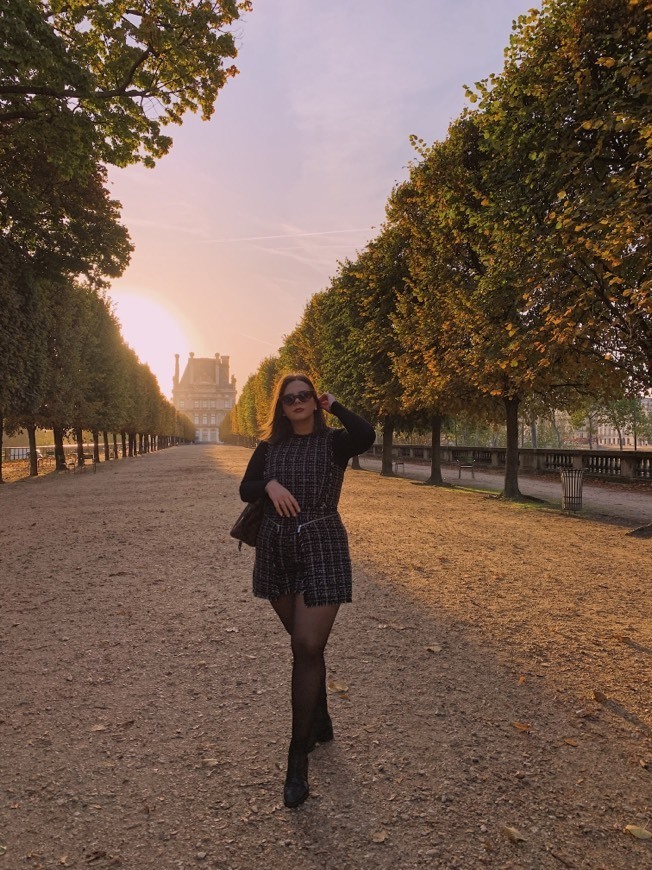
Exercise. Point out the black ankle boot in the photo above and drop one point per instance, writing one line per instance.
(321, 732)
(296, 788)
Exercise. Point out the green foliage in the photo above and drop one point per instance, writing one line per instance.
(567, 136)
(126, 71)
(514, 266)
(264, 383)
(83, 85)
(23, 325)
(245, 411)
(627, 416)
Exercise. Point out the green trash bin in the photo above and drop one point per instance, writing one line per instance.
(571, 489)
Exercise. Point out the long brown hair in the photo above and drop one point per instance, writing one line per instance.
(278, 427)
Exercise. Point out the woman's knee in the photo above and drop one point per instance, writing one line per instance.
(306, 647)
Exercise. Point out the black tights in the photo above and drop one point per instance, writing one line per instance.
(309, 629)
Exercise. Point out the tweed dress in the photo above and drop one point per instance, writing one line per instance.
(308, 553)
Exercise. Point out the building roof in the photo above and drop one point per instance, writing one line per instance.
(203, 369)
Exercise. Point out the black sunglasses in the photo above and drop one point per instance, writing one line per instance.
(290, 398)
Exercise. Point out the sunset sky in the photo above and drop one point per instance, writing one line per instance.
(249, 214)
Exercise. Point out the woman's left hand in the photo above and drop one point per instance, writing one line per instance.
(326, 400)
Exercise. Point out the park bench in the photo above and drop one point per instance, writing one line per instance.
(72, 463)
(465, 464)
(88, 458)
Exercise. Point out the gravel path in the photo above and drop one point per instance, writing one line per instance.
(490, 686)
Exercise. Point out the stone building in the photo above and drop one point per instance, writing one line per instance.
(205, 393)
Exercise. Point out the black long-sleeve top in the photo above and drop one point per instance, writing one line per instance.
(356, 437)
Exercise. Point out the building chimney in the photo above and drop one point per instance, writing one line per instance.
(191, 366)
(175, 382)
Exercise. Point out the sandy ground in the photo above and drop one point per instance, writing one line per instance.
(491, 682)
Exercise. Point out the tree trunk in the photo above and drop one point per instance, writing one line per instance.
(115, 446)
(107, 449)
(511, 489)
(96, 445)
(533, 432)
(387, 469)
(435, 478)
(79, 435)
(33, 458)
(355, 463)
(59, 452)
(2, 429)
(553, 420)
(123, 438)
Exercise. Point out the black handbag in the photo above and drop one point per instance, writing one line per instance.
(248, 523)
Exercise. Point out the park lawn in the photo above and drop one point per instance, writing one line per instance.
(552, 592)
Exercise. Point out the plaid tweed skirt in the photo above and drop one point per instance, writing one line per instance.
(304, 554)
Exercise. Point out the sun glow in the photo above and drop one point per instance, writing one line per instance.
(154, 332)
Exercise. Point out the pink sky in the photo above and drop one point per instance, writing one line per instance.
(249, 214)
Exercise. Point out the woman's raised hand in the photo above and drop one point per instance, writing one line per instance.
(326, 400)
(284, 502)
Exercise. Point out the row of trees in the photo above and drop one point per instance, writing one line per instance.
(82, 86)
(83, 377)
(627, 420)
(513, 271)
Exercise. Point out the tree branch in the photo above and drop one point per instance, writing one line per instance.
(42, 91)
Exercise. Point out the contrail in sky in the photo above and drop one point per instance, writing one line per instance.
(291, 235)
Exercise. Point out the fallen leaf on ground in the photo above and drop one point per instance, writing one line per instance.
(379, 836)
(570, 741)
(638, 832)
(335, 686)
(210, 762)
(233, 630)
(521, 726)
(98, 727)
(599, 696)
(521, 680)
(433, 648)
(513, 834)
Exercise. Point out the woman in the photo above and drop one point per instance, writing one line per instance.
(302, 556)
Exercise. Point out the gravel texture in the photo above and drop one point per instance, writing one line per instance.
(491, 684)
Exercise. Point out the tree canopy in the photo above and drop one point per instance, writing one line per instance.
(514, 265)
(119, 72)
(84, 85)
